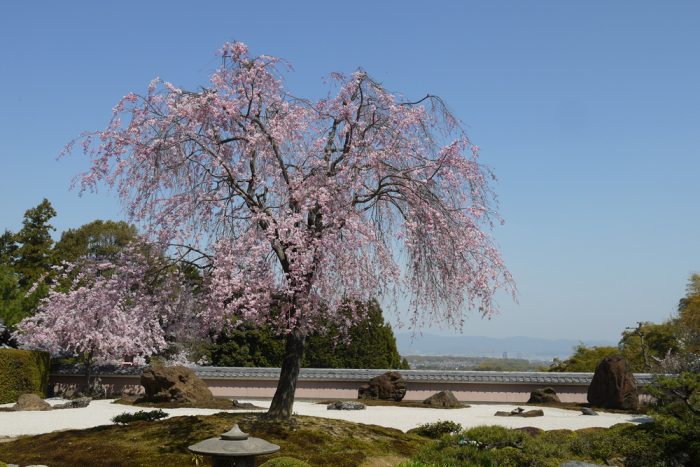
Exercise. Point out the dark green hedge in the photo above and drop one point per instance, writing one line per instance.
(22, 372)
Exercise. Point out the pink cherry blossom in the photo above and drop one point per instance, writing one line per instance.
(111, 310)
(292, 204)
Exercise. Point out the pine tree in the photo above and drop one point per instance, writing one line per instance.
(34, 256)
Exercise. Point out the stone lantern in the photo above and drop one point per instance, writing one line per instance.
(234, 448)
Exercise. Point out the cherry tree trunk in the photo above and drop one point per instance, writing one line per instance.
(283, 400)
(88, 372)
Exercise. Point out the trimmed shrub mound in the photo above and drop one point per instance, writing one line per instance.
(437, 429)
(127, 417)
(23, 372)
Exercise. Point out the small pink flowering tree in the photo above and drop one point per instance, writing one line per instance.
(296, 206)
(112, 309)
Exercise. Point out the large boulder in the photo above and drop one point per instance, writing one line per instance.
(543, 396)
(388, 386)
(31, 402)
(444, 400)
(177, 384)
(613, 385)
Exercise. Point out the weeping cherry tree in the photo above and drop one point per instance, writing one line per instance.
(293, 206)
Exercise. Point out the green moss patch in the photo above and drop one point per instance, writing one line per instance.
(316, 441)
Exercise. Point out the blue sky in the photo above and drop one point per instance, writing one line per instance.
(587, 111)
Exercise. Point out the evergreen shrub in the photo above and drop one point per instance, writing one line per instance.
(128, 417)
(23, 372)
(437, 429)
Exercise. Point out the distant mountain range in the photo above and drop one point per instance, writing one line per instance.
(530, 348)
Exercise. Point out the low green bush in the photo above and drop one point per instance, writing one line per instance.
(489, 437)
(451, 450)
(23, 372)
(437, 429)
(141, 415)
(285, 461)
(676, 411)
(636, 445)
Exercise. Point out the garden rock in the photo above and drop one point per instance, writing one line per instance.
(613, 385)
(176, 384)
(520, 412)
(543, 396)
(530, 430)
(31, 402)
(346, 405)
(443, 399)
(531, 413)
(388, 386)
(588, 411)
(78, 403)
(244, 405)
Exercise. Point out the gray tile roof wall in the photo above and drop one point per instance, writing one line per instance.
(344, 374)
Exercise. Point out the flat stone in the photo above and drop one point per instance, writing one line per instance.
(532, 413)
(346, 405)
(519, 412)
(588, 411)
(78, 403)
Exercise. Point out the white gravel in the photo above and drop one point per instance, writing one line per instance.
(100, 412)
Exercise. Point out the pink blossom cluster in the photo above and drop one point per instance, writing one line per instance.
(292, 204)
(112, 309)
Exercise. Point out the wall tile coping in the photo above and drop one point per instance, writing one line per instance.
(345, 374)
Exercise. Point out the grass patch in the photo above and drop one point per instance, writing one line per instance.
(317, 441)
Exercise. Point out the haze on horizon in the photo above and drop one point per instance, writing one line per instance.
(587, 112)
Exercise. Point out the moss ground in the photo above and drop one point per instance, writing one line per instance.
(317, 441)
